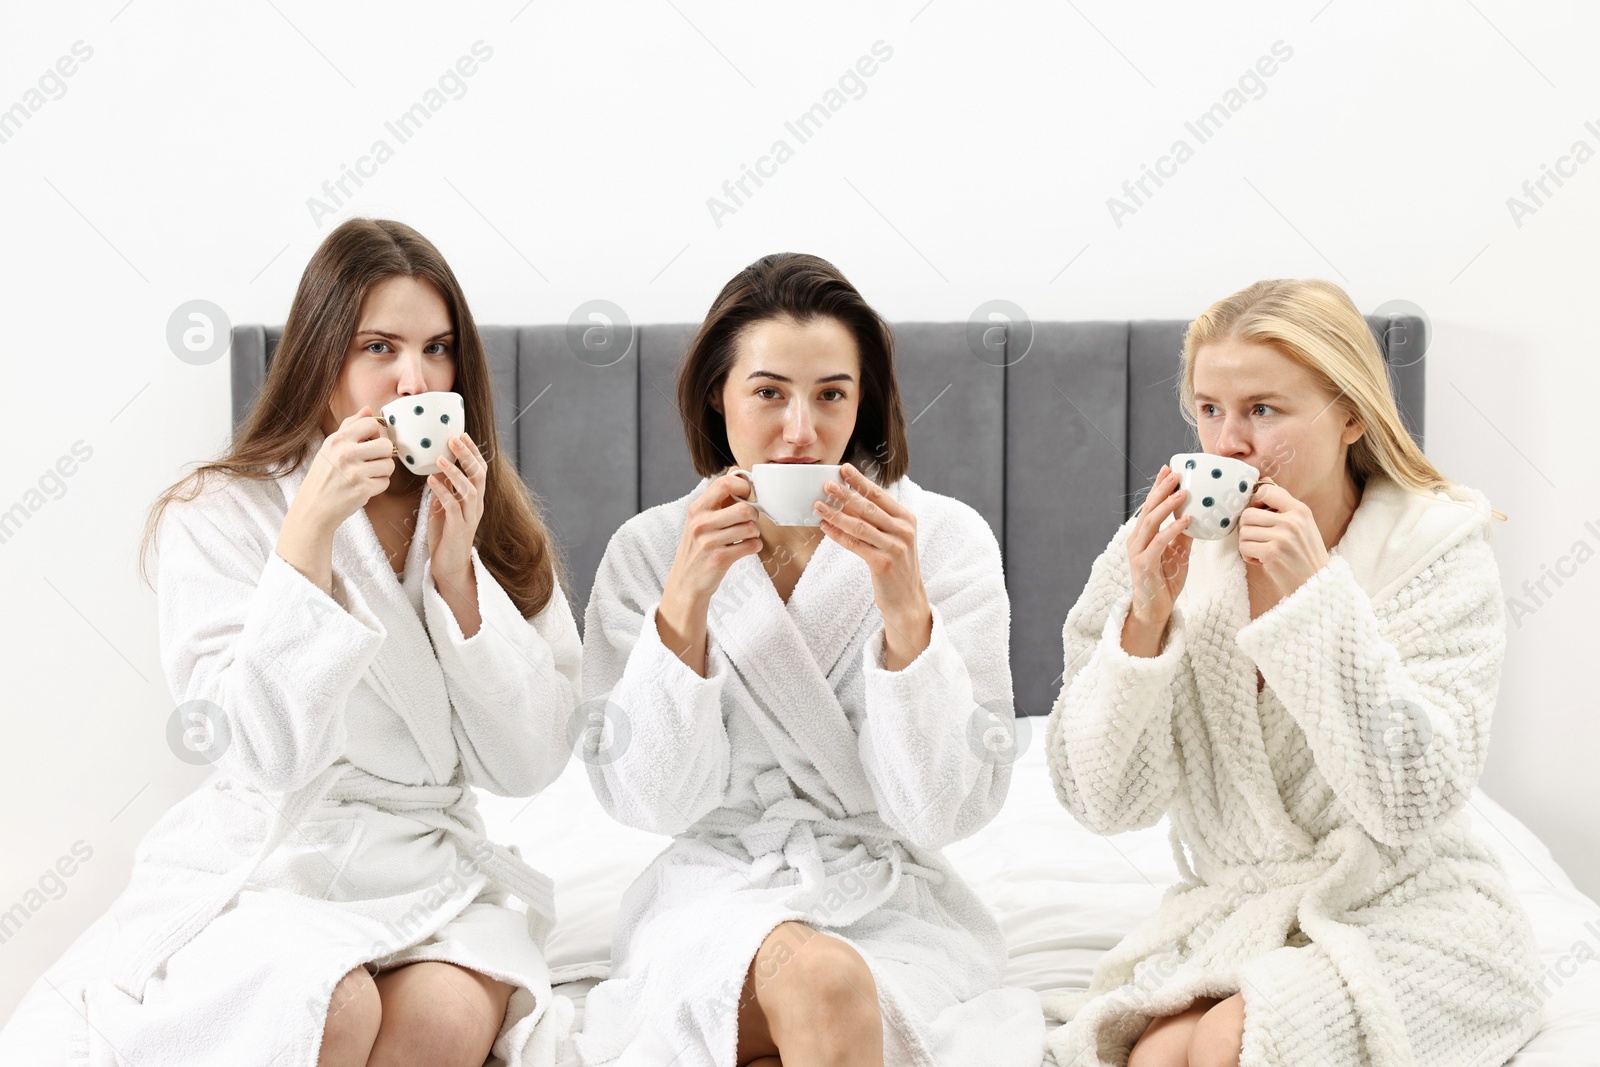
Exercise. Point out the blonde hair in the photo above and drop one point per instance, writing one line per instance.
(1316, 324)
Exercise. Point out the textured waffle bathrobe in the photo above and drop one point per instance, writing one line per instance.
(1330, 875)
(339, 828)
(801, 780)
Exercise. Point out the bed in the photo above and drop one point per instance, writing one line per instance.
(1086, 411)
(1062, 895)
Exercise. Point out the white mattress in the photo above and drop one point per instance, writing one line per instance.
(1062, 895)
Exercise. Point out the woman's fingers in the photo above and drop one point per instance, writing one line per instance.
(868, 508)
(872, 492)
(1154, 494)
(725, 504)
(1153, 559)
(454, 478)
(1269, 495)
(366, 420)
(369, 441)
(447, 502)
(735, 513)
(722, 493)
(1175, 529)
(1170, 505)
(1143, 530)
(729, 526)
(856, 527)
(371, 456)
(1175, 557)
(1264, 516)
(480, 465)
(1165, 497)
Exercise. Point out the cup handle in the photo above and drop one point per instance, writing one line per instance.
(383, 428)
(741, 472)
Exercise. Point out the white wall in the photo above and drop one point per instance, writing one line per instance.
(977, 164)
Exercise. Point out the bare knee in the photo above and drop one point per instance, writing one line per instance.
(355, 1012)
(437, 1013)
(1165, 1042)
(836, 977)
(1219, 1035)
(831, 996)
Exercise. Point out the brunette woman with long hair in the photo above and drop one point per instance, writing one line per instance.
(356, 646)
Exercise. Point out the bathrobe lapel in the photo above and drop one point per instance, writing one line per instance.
(1216, 604)
(406, 671)
(1392, 535)
(784, 657)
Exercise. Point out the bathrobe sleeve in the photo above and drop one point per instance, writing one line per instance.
(1108, 741)
(938, 737)
(1395, 705)
(271, 655)
(513, 685)
(656, 746)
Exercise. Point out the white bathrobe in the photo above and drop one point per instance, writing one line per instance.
(338, 828)
(803, 781)
(1331, 873)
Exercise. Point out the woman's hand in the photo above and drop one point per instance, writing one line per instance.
(1279, 534)
(352, 466)
(1158, 559)
(719, 530)
(862, 516)
(452, 526)
(457, 509)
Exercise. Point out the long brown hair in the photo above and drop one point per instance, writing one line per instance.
(800, 287)
(285, 419)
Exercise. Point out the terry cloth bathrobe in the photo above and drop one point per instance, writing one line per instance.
(338, 828)
(803, 781)
(1331, 876)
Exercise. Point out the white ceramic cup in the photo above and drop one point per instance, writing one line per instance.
(784, 492)
(421, 425)
(1219, 491)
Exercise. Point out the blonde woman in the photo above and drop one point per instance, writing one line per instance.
(1308, 701)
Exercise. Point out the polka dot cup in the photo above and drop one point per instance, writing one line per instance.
(421, 425)
(1218, 491)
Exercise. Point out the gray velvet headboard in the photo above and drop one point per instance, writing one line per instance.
(1055, 446)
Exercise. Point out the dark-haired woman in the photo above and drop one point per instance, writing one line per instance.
(360, 645)
(804, 708)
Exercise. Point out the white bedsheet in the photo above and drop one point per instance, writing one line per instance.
(1062, 896)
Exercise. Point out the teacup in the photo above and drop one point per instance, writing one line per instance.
(422, 425)
(784, 492)
(1219, 490)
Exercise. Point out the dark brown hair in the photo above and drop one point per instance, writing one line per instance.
(792, 285)
(285, 419)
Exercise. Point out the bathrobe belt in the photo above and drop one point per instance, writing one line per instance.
(830, 855)
(441, 807)
(438, 806)
(1342, 864)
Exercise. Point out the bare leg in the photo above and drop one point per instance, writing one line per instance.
(354, 1015)
(1165, 1042)
(1218, 1038)
(438, 1015)
(812, 999)
(756, 1046)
